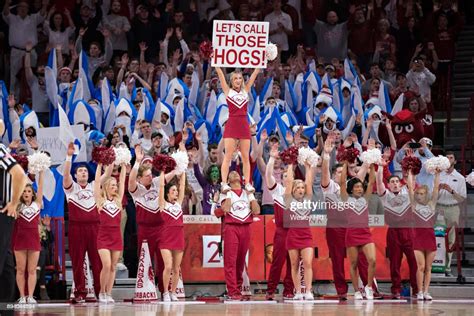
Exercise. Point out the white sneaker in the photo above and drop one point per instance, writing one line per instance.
(298, 297)
(109, 298)
(103, 298)
(166, 297)
(427, 296)
(308, 296)
(120, 266)
(225, 188)
(174, 297)
(369, 293)
(358, 296)
(21, 300)
(249, 188)
(419, 296)
(31, 300)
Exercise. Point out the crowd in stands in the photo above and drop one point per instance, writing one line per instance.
(341, 69)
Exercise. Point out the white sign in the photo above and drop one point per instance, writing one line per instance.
(48, 140)
(239, 44)
(210, 252)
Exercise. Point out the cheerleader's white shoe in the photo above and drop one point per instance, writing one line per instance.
(358, 296)
(298, 297)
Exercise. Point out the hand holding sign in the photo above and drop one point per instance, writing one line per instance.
(240, 44)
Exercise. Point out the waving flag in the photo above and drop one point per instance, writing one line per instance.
(65, 131)
(255, 111)
(384, 98)
(290, 96)
(86, 82)
(51, 84)
(162, 86)
(350, 74)
(266, 90)
(108, 108)
(4, 113)
(398, 106)
(211, 107)
(53, 193)
(194, 91)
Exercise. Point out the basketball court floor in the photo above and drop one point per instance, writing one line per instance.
(273, 308)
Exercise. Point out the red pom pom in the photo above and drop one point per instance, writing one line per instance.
(22, 161)
(163, 163)
(347, 154)
(289, 156)
(103, 155)
(411, 163)
(206, 49)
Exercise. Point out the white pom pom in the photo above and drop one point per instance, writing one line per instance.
(271, 51)
(308, 155)
(371, 156)
(122, 156)
(38, 162)
(440, 163)
(470, 178)
(182, 161)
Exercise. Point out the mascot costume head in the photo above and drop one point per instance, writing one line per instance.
(406, 126)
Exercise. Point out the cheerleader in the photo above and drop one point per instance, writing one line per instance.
(299, 239)
(108, 197)
(26, 239)
(237, 129)
(239, 208)
(425, 241)
(358, 236)
(172, 233)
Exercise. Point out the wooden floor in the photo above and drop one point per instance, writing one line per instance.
(383, 308)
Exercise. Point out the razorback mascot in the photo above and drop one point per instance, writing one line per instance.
(406, 125)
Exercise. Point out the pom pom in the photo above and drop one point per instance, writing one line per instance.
(440, 163)
(182, 161)
(206, 49)
(122, 156)
(103, 155)
(38, 162)
(271, 51)
(470, 178)
(289, 156)
(347, 154)
(371, 156)
(411, 163)
(163, 163)
(22, 161)
(308, 155)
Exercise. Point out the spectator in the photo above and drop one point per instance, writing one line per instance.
(385, 44)
(118, 25)
(280, 28)
(84, 18)
(419, 76)
(96, 59)
(56, 30)
(331, 38)
(390, 75)
(22, 30)
(444, 42)
(148, 29)
(145, 140)
(40, 102)
(310, 11)
(361, 39)
(408, 38)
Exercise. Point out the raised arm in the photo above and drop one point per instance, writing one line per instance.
(28, 71)
(182, 187)
(289, 186)
(98, 173)
(253, 77)
(132, 178)
(67, 178)
(6, 8)
(391, 137)
(434, 195)
(39, 192)
(269, 178)
(411, 187)
(327, 150)
(370, 185)
(379, 181)
(310, 172)
(123, 175)
(161, 200)
(343, 184)
(224, 85)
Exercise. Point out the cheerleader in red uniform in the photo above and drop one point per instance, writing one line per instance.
(108, 197)
(358, 235)
(237, 128)
(172, 233)
(424, 210)
(299, 239)
(26, 239)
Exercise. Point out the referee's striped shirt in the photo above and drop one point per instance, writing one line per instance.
(6, 163)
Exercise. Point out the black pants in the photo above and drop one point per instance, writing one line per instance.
(7, 266)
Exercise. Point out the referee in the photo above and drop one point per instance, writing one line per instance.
(12, 183)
